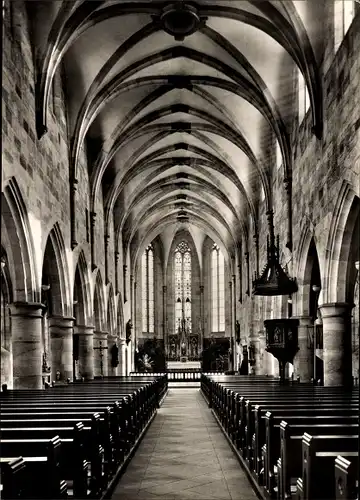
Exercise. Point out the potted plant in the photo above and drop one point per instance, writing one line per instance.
(145, 363)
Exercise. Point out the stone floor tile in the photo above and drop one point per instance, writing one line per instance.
(169, 488)
(184, 456)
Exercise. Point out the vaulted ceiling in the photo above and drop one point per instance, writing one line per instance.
(180, 104)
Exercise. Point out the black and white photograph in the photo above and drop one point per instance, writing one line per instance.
(180, 250)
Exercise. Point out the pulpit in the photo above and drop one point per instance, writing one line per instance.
(282, 340)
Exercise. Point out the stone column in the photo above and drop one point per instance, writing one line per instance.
(165, 332)
(124, 282)
(86, 350)
(26, 327)
(61, 347)
(202, 318)
(231, 329)
(103, 338)
(111, 341)
(234, 320)
(304, 359)
(336, 318)
(116, 258)
(133, 316)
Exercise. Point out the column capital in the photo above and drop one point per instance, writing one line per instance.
(335, 309)
(27, 309)
(61, 322)
(112, 336)
(100, 335)
(84, 330)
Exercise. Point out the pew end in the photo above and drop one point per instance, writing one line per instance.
(345, 479)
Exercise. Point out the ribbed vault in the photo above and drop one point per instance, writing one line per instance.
(179, 130)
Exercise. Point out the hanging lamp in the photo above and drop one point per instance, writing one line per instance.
(274, 279)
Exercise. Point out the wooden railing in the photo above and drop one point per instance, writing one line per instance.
(185, 375)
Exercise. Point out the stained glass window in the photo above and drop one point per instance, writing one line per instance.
(147, 290)
(217, 290)
(182, 286)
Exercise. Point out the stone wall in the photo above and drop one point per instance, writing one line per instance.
(41, 166)
(320, 169)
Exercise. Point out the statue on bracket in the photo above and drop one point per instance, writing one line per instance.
(129, 327)
(237, 332)
(114, 356)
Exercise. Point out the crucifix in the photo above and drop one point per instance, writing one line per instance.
(101, 349)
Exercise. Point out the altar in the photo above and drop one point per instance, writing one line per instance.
(183, 365)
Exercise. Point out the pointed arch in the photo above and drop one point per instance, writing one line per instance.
(99, 303)
(82, 292)
(21, 254)
(111, 317)
(340, 258)
(308, 274)
(56, 269)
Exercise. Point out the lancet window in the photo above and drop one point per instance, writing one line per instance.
(148, 306)
(182, 288)
(217, 290)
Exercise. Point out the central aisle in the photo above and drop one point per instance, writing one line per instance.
(184, 455)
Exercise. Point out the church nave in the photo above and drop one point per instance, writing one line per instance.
(183, 456)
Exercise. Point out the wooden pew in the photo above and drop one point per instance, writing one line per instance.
(291, 448)
(319, 455)
(346, 476)
(272, 430)
(12, 478)
(271, 425)
(73, 454)
(244, 420)
(126, 420)
(43, 462)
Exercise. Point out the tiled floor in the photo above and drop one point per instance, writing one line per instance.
(184, 456)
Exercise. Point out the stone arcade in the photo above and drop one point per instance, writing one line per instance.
(181, 192)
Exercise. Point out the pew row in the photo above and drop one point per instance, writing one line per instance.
(97, 427)
(252, 411)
